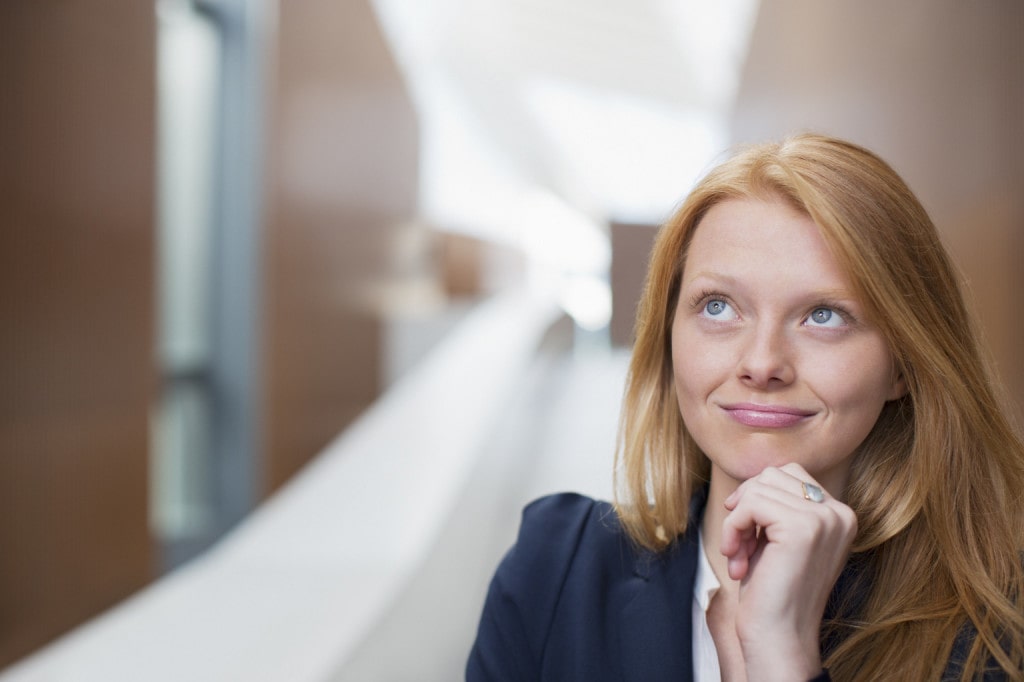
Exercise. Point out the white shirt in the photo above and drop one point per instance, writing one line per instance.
(706, 585)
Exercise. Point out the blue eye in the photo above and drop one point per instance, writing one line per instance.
(825, 317)
(717, 309)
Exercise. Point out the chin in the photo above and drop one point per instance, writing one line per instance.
(751, 466)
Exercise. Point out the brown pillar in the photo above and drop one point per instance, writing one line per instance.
(76, 305)
(342, 185)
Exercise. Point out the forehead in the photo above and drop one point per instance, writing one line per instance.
(763, 241)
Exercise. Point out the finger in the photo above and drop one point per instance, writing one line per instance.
(782, 515)
(778, 515)
(741, 562)
(767, 499)
(808, 531)
(791, 477)
(739, 529)
(771, 476)
(800, 475)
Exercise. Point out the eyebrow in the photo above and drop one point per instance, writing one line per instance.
(709, 275)
(729, 280)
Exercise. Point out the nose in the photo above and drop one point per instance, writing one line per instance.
(766, 360)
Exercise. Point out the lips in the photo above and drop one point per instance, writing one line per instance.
(766, 416)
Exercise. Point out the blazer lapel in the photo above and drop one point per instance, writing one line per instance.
(657, 625)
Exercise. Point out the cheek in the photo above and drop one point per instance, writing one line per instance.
(863, 403)
(858, 384)
(698, 367)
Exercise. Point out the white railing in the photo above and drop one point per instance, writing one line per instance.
(294, 590)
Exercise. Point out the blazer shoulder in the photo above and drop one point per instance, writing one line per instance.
(566, 513)
(554, 532)
(557, 532)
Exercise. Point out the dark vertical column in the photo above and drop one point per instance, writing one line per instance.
(76, 309)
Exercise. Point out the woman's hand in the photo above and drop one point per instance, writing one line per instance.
(787, 552)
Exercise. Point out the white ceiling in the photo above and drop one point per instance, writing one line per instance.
(552, 117)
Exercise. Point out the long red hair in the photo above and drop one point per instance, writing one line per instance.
(938, 485)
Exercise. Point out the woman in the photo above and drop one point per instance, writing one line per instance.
(816, 477)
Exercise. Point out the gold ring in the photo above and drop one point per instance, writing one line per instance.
(812, 492)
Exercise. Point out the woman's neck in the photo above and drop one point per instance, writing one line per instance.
(715, 512)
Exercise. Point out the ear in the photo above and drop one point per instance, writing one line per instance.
(898, 388)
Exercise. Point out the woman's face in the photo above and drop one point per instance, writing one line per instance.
(774, 358)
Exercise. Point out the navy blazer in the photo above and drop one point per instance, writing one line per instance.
(575, 599)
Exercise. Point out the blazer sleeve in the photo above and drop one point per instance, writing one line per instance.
(524, 592)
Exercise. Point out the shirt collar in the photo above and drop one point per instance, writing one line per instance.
(706, 585)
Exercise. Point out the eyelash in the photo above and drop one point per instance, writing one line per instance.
(702, 297)
(705, 295)
(836, 308)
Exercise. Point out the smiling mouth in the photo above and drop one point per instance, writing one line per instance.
(766, 416)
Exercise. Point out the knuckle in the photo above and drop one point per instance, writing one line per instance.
(850, 517)
(794, 469)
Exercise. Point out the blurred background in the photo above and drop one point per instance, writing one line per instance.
(302, 300)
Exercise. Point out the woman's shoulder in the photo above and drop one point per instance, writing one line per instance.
(570, 553)
(556, 530)
(566, 513)
(562, 599)
(569, 547)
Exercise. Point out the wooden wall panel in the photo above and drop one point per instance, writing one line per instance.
(631, 251)
(936, 88)
(342, 185)
(76, 305)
